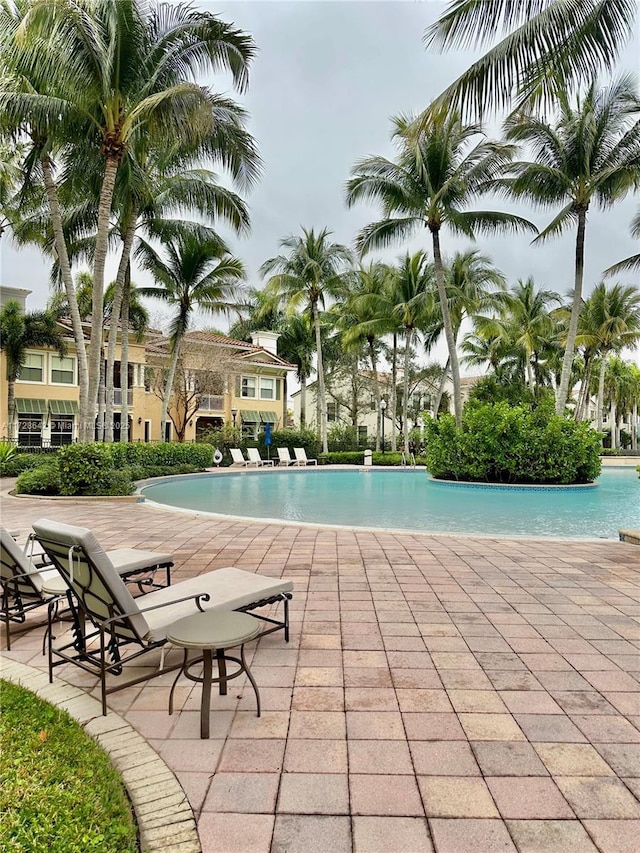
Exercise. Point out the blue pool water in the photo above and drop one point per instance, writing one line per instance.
(410, 500)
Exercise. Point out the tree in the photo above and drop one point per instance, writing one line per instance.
(297, 345)
(308, 274)
(436, 175)
(199, 272)
(633, 261)
(543, 44)
(19, 331)
(591, 154)
(104, 74)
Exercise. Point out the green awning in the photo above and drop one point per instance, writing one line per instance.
(268, 417)
(25, 406)
(63, 407)
(250, 417)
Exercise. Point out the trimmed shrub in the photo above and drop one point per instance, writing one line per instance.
(167, 454)
(44, 480)
(356, 457)
(291, 438)
(499, 443)
(15, 465)
(84, 468)
(117, 483)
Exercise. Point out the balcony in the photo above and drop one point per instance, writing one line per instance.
(211, 402)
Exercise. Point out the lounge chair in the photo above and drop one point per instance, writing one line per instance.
(301, 457)
(284, 457)
(120, 628)
(29, 580)
(255, 459)
(238, 458)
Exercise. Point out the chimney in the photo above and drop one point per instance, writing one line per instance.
(266, 340)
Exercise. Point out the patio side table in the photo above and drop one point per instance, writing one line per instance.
(209, 632)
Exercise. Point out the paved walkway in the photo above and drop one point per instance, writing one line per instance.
(438, 693)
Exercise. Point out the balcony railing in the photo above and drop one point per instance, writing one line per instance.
(211, 403)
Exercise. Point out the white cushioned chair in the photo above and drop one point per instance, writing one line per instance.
(123, 628)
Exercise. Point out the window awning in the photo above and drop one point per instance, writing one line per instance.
(250, 416)
(268, 417)
(63, 407)
(26, 406)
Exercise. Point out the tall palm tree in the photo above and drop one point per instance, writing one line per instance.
(614, 322)
(366, 317)
(541, 42)
(308, 274)
(297, 345)
(590, 155)
(103, 74)
(435, 176)
(19, 331)
(198, 273)
(633, 261)
(413, 296)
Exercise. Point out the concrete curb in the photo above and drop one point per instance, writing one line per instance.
(165, 819)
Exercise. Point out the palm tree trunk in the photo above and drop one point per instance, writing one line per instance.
(11, 410)
(613, 416)
(583, 396)
(376, 388)
(446, 322)
(168, 388)
(600, 403)
(86, 413)
(124, 357)
(576, 308)
(634, 427)
(321, 401)
(101, 400)
(441, 388)
(97, 302)
(303, 401)
(394, 396)
(116, 308)
(405, 395)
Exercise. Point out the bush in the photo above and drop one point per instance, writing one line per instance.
(15, 465)
(291, 438)
(84, 468)
(167, 454)
(44, 480)
(500, 443)
(117, 483)
(356, 457)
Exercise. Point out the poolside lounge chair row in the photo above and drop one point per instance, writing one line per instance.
(110, 626)
(284, 457)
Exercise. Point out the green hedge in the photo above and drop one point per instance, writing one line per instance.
(44, 480)
(21, 462)
(499, 443)
(356, 457)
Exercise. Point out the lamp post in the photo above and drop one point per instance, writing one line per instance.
(234, 413)
(383, 406)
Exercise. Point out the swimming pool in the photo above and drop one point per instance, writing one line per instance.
(409, 500)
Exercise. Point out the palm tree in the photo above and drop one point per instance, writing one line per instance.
(366, 317)
(199, 272)
(19, 331)
(589, 155)
(543, 43)
(435, 176)
(614, 322)
(309, 273)
(412, 310)
(297, 345)
(107, 74)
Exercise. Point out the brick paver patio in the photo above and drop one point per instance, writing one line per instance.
(438, 693)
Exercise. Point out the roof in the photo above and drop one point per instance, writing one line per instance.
(247, 352)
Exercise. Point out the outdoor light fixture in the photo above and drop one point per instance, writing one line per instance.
(139, 421)
(383, 406)
(234, 412)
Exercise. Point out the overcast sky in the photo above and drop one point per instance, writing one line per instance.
(327, 78)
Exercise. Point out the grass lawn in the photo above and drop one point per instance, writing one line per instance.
(58, 790)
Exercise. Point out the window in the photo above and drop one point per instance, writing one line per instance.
(30, 431)
(32, 370)
(248, 387)
(362, 435)
(63, 370)
(267, 389)
(332, 411)
(61, 431)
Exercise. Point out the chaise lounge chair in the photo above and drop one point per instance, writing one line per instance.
(29, 581)
(301, 457)
(238, 458)
(284, 458)
(120, 628)
(255, 459)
